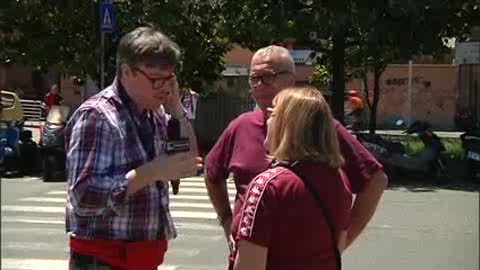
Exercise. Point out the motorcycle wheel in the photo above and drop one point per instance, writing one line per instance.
(440, 172)
(472, 169)
(53, 166)
(11, 167)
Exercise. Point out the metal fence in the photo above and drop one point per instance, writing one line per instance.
(215, 113)
(32, 109)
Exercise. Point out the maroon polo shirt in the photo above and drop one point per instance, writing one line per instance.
(278, 212)
(240, 150)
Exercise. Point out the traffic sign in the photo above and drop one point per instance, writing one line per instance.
(107, 17)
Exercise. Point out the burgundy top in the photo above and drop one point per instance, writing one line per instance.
(281, 214)
(240, 150)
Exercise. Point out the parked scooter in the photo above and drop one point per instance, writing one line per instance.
(471, 144)
(52, 143)
(427, 164)
(10, 157)
(19, 154)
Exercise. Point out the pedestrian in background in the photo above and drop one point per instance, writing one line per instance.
(117, 212)
(190, 101)
(53, 97)
(354, 108)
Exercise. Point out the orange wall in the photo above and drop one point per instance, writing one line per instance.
(241, 56)
(238, 56)
(434, 90)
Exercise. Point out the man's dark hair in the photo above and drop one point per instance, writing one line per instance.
(147, 46)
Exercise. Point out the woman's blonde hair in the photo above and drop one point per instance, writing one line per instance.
(303, 128)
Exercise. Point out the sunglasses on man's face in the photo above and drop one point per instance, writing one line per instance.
(266, 79)
(156, 82)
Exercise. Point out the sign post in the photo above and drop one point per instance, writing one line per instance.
(107, 25)
(467, 57)
(409, 93)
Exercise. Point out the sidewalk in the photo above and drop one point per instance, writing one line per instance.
(442, 134)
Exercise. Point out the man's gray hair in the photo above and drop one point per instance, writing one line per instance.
(147, 46)
(287, 59)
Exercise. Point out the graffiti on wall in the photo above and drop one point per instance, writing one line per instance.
(404, 80)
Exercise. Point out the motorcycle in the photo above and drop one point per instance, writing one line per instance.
(471, 144)
(397, 162)
(52, 144)
(19, 154)
(9, 151)
(30, 153)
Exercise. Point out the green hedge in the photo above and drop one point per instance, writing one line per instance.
(414, 145)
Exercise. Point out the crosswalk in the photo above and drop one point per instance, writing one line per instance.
(33, 238)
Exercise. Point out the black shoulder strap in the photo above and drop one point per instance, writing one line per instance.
(321, 205)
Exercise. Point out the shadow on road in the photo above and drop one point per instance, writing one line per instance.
(457, 180)
(472, 185)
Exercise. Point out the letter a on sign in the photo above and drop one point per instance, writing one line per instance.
(107, 17)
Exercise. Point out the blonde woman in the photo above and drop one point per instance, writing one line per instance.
(294, 215)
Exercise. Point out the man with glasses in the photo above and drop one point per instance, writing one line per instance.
(240, 149)
(117, 212)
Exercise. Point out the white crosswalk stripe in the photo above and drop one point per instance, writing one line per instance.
(41, 218)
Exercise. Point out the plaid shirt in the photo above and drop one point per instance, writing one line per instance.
(105, 138)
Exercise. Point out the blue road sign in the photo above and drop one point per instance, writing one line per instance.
(107, 17)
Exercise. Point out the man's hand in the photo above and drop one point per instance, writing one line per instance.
(173, 103)
(163, 168)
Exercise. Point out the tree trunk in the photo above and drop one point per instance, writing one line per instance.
(365, 86)
(338, 83)
(377, 72)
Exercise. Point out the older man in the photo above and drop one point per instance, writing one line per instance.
(240, 149)
(117, 212)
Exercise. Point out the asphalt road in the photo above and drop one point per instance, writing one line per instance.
(414, 228)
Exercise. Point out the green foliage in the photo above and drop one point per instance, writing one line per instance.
(394, 31)
(65, 35)
(375, 33)
(415, 146)
(49, 33)
(321, 78)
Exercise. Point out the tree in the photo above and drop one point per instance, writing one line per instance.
(362, 34)
(394, 31)
(321, 78)
(65, 35)
(255, 24)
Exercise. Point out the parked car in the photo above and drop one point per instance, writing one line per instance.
(52, 144)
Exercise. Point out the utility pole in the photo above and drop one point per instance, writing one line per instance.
(107, 25)
(467, 56)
